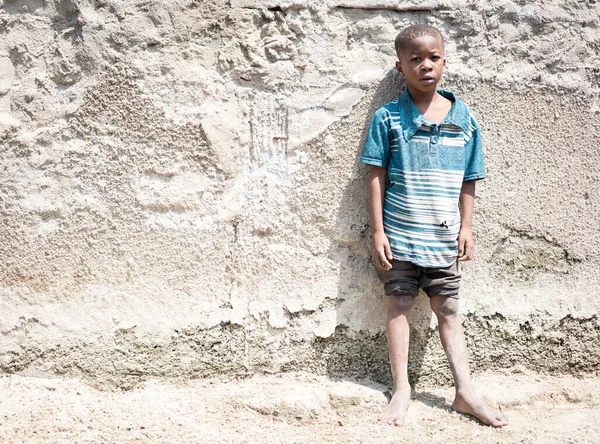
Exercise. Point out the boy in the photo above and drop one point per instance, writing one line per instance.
(428, 145)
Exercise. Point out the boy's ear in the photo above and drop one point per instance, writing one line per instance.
(399, 67)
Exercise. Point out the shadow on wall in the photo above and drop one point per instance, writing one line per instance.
(359, 353)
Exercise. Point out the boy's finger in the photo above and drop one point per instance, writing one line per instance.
(375, 258)
(388, 252)
(461, 251)
(465, 253)
(384, 262)
(469, 252)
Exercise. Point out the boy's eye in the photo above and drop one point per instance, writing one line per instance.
(435, 58)
(415, 59)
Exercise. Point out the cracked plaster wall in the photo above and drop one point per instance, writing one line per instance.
(180, 193)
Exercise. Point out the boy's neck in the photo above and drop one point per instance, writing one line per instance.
(423, 98)
(433, 106)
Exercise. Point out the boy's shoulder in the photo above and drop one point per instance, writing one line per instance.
(461, 111)
(402, 110)
(389, 109)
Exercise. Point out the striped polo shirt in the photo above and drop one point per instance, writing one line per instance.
(426, 167)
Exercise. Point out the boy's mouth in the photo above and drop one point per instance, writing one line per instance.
(427, 79)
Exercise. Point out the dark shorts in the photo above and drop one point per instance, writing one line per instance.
(405, 279)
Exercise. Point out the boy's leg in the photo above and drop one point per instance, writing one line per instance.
(398, 334)
(453, 341)
(401, 285)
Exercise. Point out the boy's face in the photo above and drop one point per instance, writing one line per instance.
(422, 63)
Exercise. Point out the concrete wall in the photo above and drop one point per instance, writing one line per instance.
(180, 194)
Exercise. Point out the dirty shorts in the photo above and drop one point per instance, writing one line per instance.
(405, 279)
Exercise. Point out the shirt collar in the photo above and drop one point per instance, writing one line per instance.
(412, 119)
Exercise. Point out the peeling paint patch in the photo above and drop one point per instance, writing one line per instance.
(526, 255)
(343, 100)
(309, 123)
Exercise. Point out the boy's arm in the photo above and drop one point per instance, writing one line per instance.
(466, 243)
(380, 249)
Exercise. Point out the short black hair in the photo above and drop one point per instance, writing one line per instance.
(413, 32)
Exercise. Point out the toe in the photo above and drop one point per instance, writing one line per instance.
(499, 421)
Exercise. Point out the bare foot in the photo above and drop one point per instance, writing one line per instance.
(474, 406)
(395, 412)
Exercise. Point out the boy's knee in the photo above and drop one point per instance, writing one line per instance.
(401, 304)
(444, 306)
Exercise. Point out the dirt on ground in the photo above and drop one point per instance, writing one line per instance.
(293, 408)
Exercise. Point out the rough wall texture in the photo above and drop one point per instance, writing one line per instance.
(180, 194)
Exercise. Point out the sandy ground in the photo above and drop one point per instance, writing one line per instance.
(292, 408)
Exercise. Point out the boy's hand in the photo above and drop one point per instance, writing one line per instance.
(381, 251)
(466, 243)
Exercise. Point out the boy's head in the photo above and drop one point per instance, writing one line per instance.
(413, 32)
(421, 59)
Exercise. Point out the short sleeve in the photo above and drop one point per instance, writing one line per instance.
(474, 165)
(376, 150)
